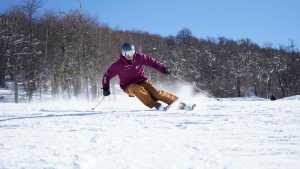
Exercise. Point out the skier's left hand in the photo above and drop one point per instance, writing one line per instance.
(106, 92)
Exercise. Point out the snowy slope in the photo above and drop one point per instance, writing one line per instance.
(292, 98)
(122, 133)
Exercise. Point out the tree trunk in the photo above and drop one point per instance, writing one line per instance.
(2, 65)
(54, 85)
(16, 91)
(238, 86)
(283, 93)
(2, 77)
(93, 89)
(87, 92)
(268, 88)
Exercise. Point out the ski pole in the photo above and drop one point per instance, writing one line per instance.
(99, 103)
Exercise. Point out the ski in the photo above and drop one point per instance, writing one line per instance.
(180, 106)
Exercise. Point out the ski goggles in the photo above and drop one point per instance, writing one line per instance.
(128, 54)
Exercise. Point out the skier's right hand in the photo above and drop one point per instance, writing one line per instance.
(167, 71)
(106, 92)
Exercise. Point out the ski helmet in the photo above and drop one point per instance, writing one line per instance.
(128, 50)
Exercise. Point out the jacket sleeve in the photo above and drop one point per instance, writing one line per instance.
(150, 61)
(109, 74)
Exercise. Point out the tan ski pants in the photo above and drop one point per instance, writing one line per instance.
(149, 95)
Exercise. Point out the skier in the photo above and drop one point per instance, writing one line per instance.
(130, 69)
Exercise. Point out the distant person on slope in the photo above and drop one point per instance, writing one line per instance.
(130, 69)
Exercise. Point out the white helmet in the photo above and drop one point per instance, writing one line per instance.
(128, 50)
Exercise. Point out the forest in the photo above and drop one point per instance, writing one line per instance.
(66, 53)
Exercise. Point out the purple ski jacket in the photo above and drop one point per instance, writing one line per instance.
(131, 71)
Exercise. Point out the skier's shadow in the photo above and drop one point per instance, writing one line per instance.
(52, 115)
(84, 113)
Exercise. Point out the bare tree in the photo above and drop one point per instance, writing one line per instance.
(68, 53)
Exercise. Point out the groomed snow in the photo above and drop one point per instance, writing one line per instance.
(123, 134)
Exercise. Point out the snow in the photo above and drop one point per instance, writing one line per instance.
(231, 133)
(5, 92)
(6, 95)
(252, 98)
(297, 97)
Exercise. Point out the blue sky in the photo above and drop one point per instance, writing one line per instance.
(263, 21)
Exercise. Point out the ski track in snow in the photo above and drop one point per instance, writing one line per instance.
(216, 135)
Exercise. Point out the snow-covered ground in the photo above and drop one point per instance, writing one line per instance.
(123, 134)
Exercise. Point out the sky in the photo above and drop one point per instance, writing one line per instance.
(263, 21)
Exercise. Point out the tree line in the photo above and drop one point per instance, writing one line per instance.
(67, 53)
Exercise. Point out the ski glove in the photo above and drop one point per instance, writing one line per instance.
(106, 92)
(167, 71)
